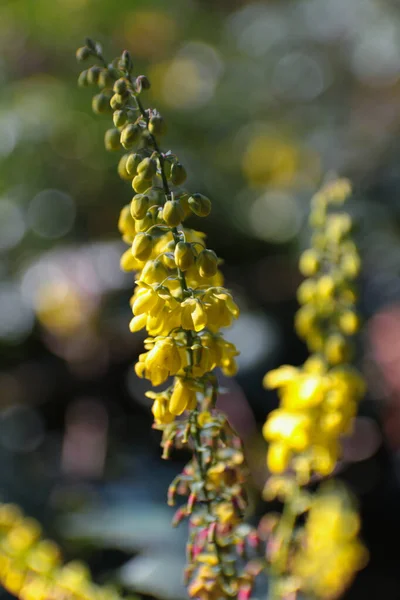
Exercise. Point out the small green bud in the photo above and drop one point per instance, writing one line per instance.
(121, 86)
(200, 205)
(122, 170)
(178, 174)
(207, 263)
(139, 206)
(142, 83)
(120, 118)
(172, 213)
(83, 53)
(93, 74)
(83, 79)
(147, 168)
(184, 257)
(139, 184)
(157, 125)
(130, 135)
(117, 102)
(132, 163)
(125, 62)
(111, 139)
(142, 246)
(105, 79)
(101, 103)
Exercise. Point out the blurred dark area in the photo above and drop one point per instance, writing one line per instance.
(262, 99)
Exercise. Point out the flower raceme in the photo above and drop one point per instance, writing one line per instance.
(180, 300)
(318, 401)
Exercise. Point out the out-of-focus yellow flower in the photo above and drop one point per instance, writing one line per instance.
(318, 401)
(330, 553)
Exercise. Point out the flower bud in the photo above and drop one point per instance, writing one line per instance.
(172, 213)
(142, 246)
(207, 263)
(117, 102)
(142, 83)
(178, 174)
(184, 257)
(349, 322)
(309, 262)
(147, 168)
(130, 134)
(93, 74)
(105, 79)
(100, 103)
(121, 86)
(337, 350)
(200, 205)
(82, 53)
(111, 139)
(83, 79)
(139, 205)
(122, 170)
(120, 118)
(157, 125)
(145, 223)
(139, 184)
(125, 62)
(132, 163)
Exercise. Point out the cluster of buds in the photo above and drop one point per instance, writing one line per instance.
(31, 567)
(180, 301)
(318, 401)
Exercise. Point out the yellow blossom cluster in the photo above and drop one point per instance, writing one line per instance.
(318, 401)
(180, 300)
(329, 553)
(31, 567)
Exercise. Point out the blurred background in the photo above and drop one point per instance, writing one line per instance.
(262, 100)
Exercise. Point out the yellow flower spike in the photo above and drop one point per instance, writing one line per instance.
(182, 398)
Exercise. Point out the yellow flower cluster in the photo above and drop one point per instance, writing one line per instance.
(318, 401)
(329, 554)
(31, 567)
(180, 301)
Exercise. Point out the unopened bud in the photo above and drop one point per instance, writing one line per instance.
(93, 74)
(130, 135)
(111, 139)
(101, 103)
(121, 86)
(183, 254)
(83, 53)
(139, 184)
(207, 263)
(139, 205)
(178, 174)
(200, 205)
(142, 246)
(132, 163)
(147, 168)
(157, 125)
(142, 83)
(83, 79)
(117, 102)
(172, 213)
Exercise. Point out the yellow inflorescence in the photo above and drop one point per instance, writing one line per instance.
(180, 301)
(318, 401)
(330, 553)
(31, 568)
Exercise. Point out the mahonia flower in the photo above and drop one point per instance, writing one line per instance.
(329, 553)
(181, 302)
(31, 567)
(318, 401)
